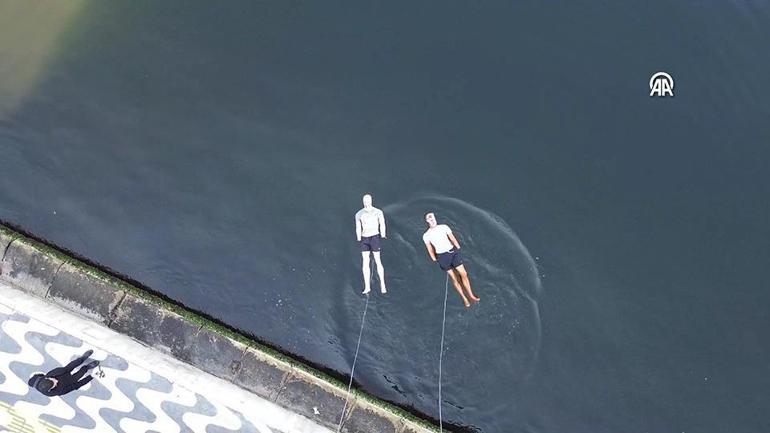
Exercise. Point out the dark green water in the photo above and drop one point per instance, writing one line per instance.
(619, 242)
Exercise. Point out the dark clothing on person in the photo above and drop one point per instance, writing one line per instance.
(449, 260)
(370, 243)
(67, 381)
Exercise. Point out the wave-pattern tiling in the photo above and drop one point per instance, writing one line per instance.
(128, 399)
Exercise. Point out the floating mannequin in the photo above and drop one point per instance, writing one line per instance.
(443, 247)
(370, 229)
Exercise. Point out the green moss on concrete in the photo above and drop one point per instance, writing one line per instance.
(9, 235)
(43, 249)
(8, 232)
(395, 410)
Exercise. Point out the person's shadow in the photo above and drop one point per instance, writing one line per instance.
(62, 380)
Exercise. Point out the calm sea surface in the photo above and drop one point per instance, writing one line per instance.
(620, 243)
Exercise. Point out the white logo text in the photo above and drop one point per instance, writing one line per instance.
(661, 84)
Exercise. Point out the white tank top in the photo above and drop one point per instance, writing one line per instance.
(370, 221)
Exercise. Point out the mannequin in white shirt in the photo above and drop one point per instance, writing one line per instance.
(370, 228)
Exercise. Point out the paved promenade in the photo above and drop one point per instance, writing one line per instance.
(142, 390)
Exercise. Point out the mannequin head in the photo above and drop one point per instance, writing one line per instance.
(367, 201)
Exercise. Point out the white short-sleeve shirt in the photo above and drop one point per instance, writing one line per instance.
(437, 236)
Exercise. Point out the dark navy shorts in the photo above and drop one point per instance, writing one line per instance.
(370, 243)
(450, 260)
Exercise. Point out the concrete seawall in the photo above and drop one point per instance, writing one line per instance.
(50, 274)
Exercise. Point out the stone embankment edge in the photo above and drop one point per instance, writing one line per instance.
(48, 273)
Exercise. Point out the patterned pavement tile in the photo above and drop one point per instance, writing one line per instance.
(127, 399)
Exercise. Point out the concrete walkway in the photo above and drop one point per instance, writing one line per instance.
(143, 390)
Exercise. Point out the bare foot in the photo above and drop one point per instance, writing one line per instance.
(383, 289)
(467, 304)
(475, 298)
(366, 291)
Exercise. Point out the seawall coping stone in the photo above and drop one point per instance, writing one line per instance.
(80, 291)
(29, 267)
(136, 318)
(217, 354)
(363, 419)
(175, 335)
(307, 397)
(164, 330)
(48, 273)
(6, 237)
(261, 376)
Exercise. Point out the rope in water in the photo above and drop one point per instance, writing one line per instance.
(441, 356)
(355, 358)
(440, 359)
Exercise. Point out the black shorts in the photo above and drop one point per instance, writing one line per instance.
(450, 260)
(370, 243)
